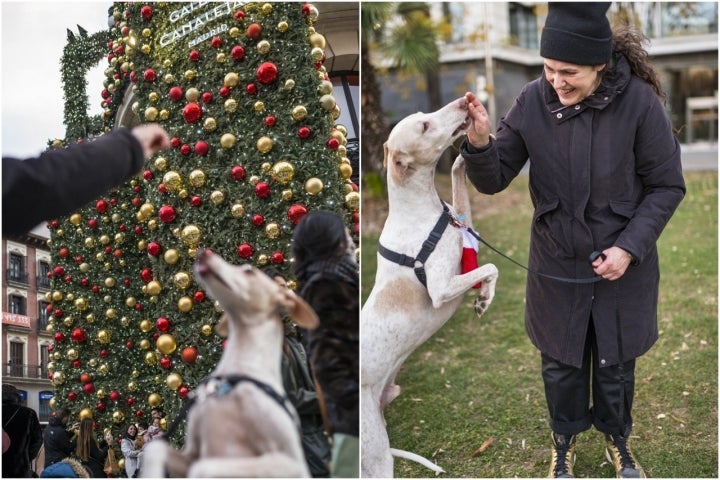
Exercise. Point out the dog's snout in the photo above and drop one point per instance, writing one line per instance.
(462, 103)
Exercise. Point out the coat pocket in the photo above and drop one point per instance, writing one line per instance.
(553, 228)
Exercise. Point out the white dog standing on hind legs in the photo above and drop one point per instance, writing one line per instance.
(401, 313)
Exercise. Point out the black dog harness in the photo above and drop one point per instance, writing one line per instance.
(428, 246)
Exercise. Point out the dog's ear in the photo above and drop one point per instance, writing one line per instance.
(222, 326)
(398, 165)
(300, 311)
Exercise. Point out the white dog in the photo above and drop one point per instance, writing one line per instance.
(401, 313)
(242, 424)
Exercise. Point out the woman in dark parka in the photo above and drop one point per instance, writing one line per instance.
(605, 175)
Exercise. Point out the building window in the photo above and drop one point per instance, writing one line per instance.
(17, 304)
(44, 360)
(43, 281)
(45, 412)
(43, 315)
(688, 18)
(523, 26)
(16, 358)
(16, 268)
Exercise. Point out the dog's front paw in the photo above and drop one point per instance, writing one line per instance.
(485, 295)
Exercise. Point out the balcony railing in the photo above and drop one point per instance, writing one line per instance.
(20, 370)
(43, 282)
(12, 275)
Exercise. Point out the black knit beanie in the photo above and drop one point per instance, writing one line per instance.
(577, 32)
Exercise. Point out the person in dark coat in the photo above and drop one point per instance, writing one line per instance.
(22, 426)
(328, 279)
(605, 175)
(59, 440)
(62, 180)
(91, 454)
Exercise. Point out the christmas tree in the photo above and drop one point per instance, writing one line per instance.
(243, 93)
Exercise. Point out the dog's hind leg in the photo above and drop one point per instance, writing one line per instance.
(460, 198)
(376, 461)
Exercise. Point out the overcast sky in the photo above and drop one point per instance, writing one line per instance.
(33, 37)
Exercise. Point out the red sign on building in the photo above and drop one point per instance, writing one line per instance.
(15, 319)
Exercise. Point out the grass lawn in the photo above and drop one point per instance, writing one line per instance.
(473, 399)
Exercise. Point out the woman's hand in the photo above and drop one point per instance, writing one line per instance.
(479, 132)
(613, 267)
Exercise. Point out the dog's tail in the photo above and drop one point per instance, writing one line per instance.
(416, 458)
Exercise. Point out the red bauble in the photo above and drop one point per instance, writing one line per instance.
(192, 113)
(93, 223)
(216, 42)
(270, 121)
(148, 175)
(115, 396)
(262, 190)
(101, 206)
(85, 378)
(199, 296)
(251, 89)
(189, 354)
(258, 220)
(194, 56)
(162, 324)
(78, 335)
(239, 15)
(146, 274)
(138, 230)
(149, 75)
(295, 213)
(133, 76)
(224, 92)
(238, 172)
(89, 388)
(185, 149)
(55, 224)
(207, 97)
(58, 312)
(76, 364)
(100, 405)
(84, 282)
(166, 363)
(306, 9)
(68, 278)
(183, 392)
(127, 282)
(254, 31)
(154, 249)
(196, 201)
(202, 148)
(64, 252)
(58, 271)
(167, 213)
(146, 12)
(238, 52)
(278, 258)
(130, 401)
(304, 132)
(175, 142)
(245, 250)
(333, 144)
(104, 353)
(356, 229)
(95, 289)
(266, 73)
(175, 94)
(72, 396)
(355, 217)
(129, 344)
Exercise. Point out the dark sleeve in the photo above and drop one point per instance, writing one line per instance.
(35, 434)
(60, 181)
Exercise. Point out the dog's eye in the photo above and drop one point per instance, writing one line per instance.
(425, 126)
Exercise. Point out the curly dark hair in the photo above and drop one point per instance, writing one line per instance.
(630, 41)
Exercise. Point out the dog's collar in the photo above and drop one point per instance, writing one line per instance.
(428, 246)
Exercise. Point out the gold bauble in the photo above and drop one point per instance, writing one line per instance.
(154, 288)
(266, 167)
(317, 40)
(166, 344)
(206, 330)
(51, 367)
(118, 417)
(171, 256)
(111, 313)
(231, 79)
(144, 344)
(316, 54)
(197, 178)
(90, 318)
(192, 252)
(151, 358)
(181, 280)
(325, 87)
(185, 304)
(89, 242)
(142, 245)
(173, 381)
(50, 328)
(327, 102)
(85, 413)
(263, 47)
(68, 321)
(259, 106)
(104, 369)
(267, 8)
(101, 393)
(110, 282)
(151, 114)
(264, 144)
(283, 172)
(352, 201)
(146, 32)
(282, 27)
(313, 186)
(153, 97)
(76, 219)
(299, 113)
(147, 210)
(234, 32)
(289, 84)
(342, 151)
(124, 321)
(335, 113)
(132, 386)
(145, 48)
(183, 193)
(172, 181)
(345, 171)
(121, 464)
(230, 105)
(104, 337)
(146, 325)
(190, 235)
(272, 230)
(72, 354)
(227, 140)
(192, 94)
(56, 356)
(209, 124)
(237, 210)
(135, 373)
(164, 114)
(254, 180)
(217, 197)
(81, 304)
(154, 400)
(153, 224)
(169, 78)
(161, 163)
(262, 259)
(130, 302)
(341, 128)
(189, 75)
(58, 378)
(287, 195)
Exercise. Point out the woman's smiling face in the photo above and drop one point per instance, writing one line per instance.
(573, 83)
